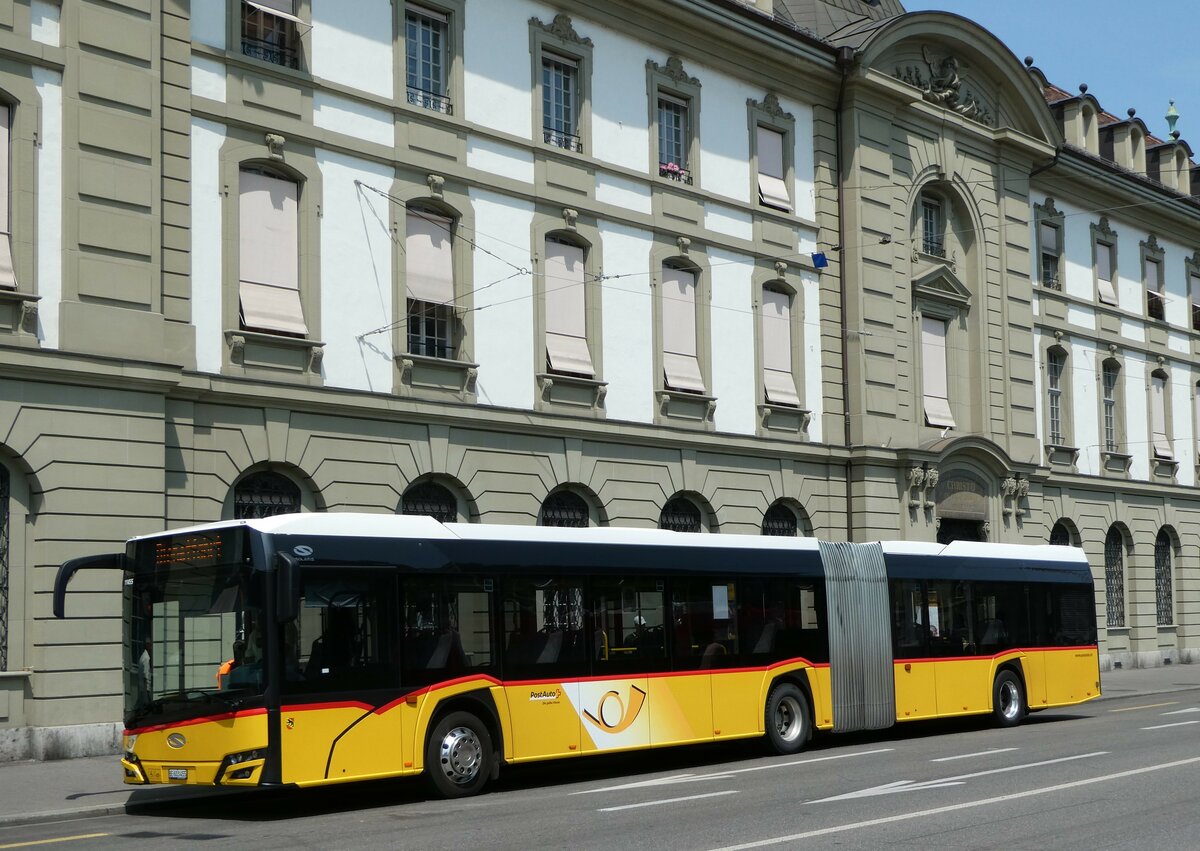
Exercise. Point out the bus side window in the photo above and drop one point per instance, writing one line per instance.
(782, 619)
(544, 633)
(911, 631)
(703, 624)
(628, 626)
(447, 628)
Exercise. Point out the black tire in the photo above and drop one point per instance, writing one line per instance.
(1008, 699)
(459, 756)
(787, 719)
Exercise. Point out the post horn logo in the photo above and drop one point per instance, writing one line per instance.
(176, 740)
(612, 715)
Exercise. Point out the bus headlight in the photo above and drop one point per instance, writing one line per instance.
(230, 766)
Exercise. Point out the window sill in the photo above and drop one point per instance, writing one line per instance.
(1060, 455)
(783, 419)
(23, 674)
(570, 394)
(274, 356)
(1115, 463)
(19, 316)
(684, 408)
(436, 378)
(1163, 468)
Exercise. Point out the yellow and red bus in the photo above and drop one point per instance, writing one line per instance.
(324, 648)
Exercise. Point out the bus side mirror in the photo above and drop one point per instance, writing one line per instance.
(287, 588)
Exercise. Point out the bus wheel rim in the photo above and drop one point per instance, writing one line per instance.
(1010, 703)
(461, 755)
(788, 721)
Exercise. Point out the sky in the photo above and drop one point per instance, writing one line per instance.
(1136, 55)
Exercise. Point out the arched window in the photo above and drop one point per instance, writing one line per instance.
(780, 521)
(4, 515)
(265, 495)
(1060, 535)
(1163, 596)
(430, 499)
(1114, 577)
(933, 226)
(564, 508)
(680, 515)
(269, 283)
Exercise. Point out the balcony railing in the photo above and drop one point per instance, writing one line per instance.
(276, 54)
(559, 139)
(674, 172)
(933, 247)
(429, 100)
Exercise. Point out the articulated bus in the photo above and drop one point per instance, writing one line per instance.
(323, 648)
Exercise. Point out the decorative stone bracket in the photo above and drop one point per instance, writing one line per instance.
(922, 480)
(1014, 494)
(684, 405)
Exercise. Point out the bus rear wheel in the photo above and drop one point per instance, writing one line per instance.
(788, 720)
(1008, 699)
(458, 755)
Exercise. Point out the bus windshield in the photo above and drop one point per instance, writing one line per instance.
(193, 630)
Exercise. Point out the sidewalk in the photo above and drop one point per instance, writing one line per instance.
(77, 788)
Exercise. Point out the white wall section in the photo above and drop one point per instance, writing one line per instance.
(208, 23)
(352, 44)
(207, 138)
(621, 192)
(732, 341)
(208, 78)
(497, 158)
(49, 204)
(353, 118)
(628, 324)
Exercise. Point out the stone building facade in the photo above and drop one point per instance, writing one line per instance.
(702, 264)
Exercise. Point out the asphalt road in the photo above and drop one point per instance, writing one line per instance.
(1120, 773)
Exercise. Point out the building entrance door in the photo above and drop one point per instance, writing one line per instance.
(953, 529)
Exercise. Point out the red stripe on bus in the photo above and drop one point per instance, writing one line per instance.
(1011, 652)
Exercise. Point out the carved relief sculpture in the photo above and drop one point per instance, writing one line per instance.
(939, 83)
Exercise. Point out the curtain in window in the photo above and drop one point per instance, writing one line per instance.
(1158, 417)
(429, 258)
(566, 310)
(1104, 273)
(270, 255)
(8, 276)
(680, 362)
(933, 373)
(778, 381)
(772, 190)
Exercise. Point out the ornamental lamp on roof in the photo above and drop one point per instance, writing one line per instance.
(1172, 117)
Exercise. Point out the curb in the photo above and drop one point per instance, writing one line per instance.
(98, 810)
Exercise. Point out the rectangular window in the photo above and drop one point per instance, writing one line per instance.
(1104, 272)
(1054, 369)
(269, 255)
(271, 31)
(629, 625)
(1110, 408)
(8, 277)
(566, 310)
(704, 629)
(560, 102)
(425, 36)
(1155, 301)
(673, 139)
(1194, 288)
(429, 270)
(544, 628)
(448, 628)
(1049, 252)
(933, 228)
(934, 373)
(779, 383)
(1158, 417)
(681, 363)
(772, 188)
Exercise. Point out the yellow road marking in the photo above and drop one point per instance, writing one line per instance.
(1148, 706)
(59, 839)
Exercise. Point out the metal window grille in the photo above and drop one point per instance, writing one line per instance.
(1054, 368)
(269, 38)
(564, 508)
(680, 515)
(265, 495)
(1110, 407)
(1163, 597)
(780, 521)
(672, 139)
(1114, 578)
(4, 538)
(559, 103)
(933, 238)
(425, 44)
(1060, 535)
(430, 499)
(430, 329)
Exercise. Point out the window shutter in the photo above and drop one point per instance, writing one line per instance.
(1158, 417)
(285, 9)
(1104, 273)
(680, 364)
(1048, 238)
(772, 190)
(269, 258)
(566, 311)
(8, 277)
(933, 373)
(429, 253)
(778, 381)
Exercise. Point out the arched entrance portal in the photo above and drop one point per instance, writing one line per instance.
(962, 507)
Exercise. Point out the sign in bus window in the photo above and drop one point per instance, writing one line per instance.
(703, 625)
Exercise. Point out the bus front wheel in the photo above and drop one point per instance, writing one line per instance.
(787, 720)
(1008, 699)
(458, 755)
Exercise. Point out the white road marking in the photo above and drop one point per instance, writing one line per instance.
(724, 775)
(999, 799)
(1147, 706)
(969, 755)
(919, 786)
(1183, 711)
(1176, 724)
(667, 801)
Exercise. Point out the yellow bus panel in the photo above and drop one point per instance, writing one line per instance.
(681, 709)
(916, 692)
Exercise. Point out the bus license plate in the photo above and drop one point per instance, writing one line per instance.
(177, 773)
